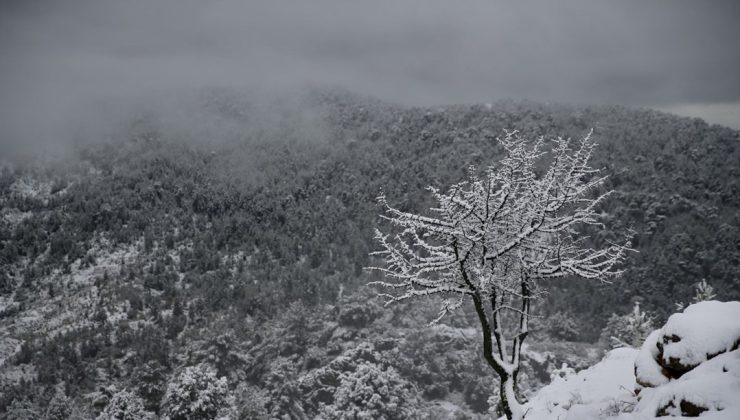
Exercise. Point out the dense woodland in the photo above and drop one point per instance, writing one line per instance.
(239, 247)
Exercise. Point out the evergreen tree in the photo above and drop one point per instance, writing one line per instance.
(22, 409)
(125, 405)
(704, 292)
(372, 392)
(59, 407)
(628, 330)
(196, 394)
(150, 379)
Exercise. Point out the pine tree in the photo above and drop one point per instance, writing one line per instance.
(704, 292)
(371, 392)
(150, 379)
(125, 405)
(22, 409)
(59, 407)
(196, 394)
(628, 330)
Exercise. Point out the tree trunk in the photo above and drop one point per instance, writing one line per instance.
(511, 407)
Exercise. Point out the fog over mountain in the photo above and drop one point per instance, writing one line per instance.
(329, 210)
(61, 60)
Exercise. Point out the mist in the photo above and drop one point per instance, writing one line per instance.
(73, 70)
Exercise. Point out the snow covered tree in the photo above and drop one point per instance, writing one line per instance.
(561, 325)
(151, 381)
(563, 372)
(21, 409)
(704, 292)
(494, 239)
(372, 392)
(125, 405)
(195, 394)
(629, 330)
(59, 407)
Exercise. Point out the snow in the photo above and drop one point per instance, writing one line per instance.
(647, 370)
(105, 260)
(714, 384)
(15, 374)
(593, 393)
(69, 309)
(536, 356)
(604, 392)
(32, 188)
(454, 332)
(705, 329)
(8, 347)
(13, 217)
(702, 338)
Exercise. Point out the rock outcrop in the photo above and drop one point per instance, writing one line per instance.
(692, 364)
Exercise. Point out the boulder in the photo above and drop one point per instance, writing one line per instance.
(692, 364)
(648, 372)
(701, 332)
(711, 386)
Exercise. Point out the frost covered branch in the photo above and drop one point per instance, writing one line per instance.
(495, 238)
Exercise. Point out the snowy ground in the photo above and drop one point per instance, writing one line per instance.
(70, 308)
(700, 344)
(598, 392)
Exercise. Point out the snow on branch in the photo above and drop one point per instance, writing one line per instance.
(493, 239)
(511, 217)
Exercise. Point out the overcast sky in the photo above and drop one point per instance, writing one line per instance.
(60, 56)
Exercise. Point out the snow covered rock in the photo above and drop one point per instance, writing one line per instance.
(688, 368)
(691, 366)
(710, 390)
(704, 330)
(648, 373)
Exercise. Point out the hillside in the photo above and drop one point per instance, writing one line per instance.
(238, 241)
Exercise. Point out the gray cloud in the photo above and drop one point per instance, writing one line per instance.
(61, 58)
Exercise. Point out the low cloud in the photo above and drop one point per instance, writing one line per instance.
(62, 59)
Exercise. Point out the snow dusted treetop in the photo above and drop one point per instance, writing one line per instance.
(125, 405)
(196, 394)
(493, 239)
(634, 328)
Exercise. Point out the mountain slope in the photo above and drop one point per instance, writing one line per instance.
(159, 244)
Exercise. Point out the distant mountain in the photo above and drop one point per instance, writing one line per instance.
(235, 206)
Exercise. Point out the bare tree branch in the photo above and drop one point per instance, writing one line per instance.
(495, 238)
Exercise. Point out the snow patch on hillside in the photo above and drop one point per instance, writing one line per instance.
(31, 188)
(12, 217)
(72, 304)
(598, 392)
(643, 385)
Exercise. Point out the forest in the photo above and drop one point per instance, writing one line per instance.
(229, 261)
